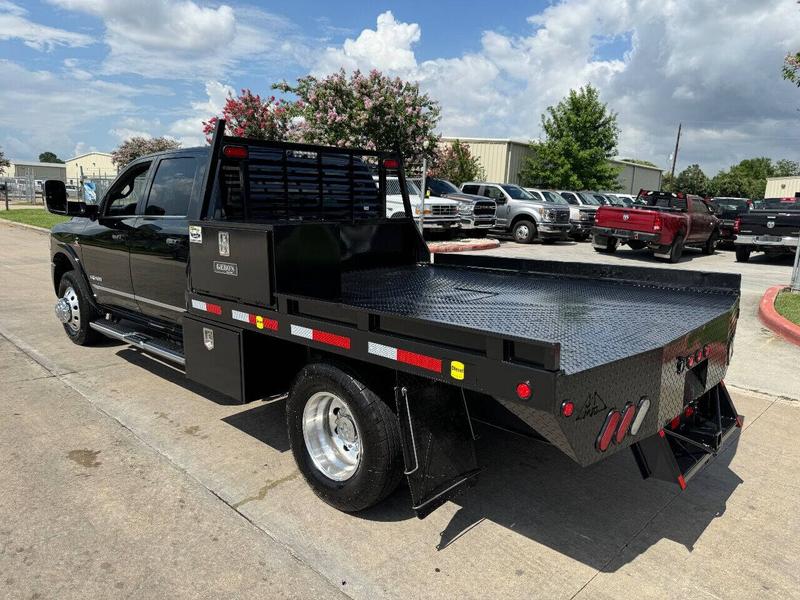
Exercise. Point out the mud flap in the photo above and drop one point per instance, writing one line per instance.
(680, 451)
(438, 441)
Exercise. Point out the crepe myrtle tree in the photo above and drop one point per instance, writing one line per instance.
(455, 163)
(4, 162)
(370, 111)
(137, 146)
(251, 116)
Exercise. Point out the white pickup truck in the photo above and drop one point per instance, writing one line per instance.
(440, 213)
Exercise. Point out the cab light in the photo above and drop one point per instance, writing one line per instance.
(391, 163)
(567, 408)
(608, 430)
(234, 151)
(524, 391)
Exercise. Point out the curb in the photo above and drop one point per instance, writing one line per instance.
(25, 226)
(463, 246)
(774, 320)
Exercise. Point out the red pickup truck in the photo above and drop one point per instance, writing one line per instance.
(666, 222)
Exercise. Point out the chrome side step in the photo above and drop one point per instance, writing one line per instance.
(160, 348)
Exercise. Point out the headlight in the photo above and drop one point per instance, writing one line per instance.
(465, 208)
(584, 216)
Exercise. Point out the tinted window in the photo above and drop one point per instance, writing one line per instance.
(125, 194)
(172, 187)
(699, 207)
(536, 195)
(569, 197)
(553, 197)
(439, 187)
(517, 193)
(493, 192)
(470, 189)
(589, 199)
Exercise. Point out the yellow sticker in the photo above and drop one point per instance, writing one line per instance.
(457, 370)
(259, 322)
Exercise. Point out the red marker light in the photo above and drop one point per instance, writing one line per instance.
(524, 390)
(391, 163)
(688, 411)
(625, 423)
(608, 430)
(675, 422)
(567, 408)
(698, 356)
(690, 361)
(234, 151)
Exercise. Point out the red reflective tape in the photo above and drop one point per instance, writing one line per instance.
(214, 308)
(419, 360)
(681, 482)
(324, 337)
(251, 319)
(271, 324)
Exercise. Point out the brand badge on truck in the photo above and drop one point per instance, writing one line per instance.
(626, 217)
(226, 268)
(224, 244)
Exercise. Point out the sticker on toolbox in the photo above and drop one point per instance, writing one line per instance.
(457, 370)
(195, 234)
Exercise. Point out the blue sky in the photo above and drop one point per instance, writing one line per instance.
(83, 74)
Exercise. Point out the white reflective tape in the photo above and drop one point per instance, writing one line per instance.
(303, 332)
(240, 316)
(381, 350)
(199, 305)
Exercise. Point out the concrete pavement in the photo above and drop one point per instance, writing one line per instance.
(108, 441)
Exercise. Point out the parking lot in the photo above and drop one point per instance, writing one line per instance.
(122, 479)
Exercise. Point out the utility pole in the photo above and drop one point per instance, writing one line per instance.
(675, 154)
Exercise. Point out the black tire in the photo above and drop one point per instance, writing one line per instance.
(676, 250)
(380, 467)
(636, 244)
(476, 233)
(711, 243)
(524, 231)
(743, 253)
(80, 333)
(609, 247)
(549, 241)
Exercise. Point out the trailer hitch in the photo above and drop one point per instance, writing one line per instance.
(676, 454)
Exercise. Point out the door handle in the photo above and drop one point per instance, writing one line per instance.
(171, 241)
(118, 237)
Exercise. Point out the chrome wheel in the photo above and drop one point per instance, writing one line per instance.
(68, 310)
(522, 232)
(331, 436)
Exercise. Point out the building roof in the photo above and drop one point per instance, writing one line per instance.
(33, 163)
(450, 138)
(88, 154)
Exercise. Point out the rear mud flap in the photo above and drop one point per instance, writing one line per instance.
(438, 441)
(681, 450)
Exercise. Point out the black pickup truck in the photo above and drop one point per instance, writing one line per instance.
(270, 268)
(773, 227)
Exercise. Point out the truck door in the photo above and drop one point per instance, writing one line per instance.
(503, 207)
(159, 242)
(104, 243)
(702, 221)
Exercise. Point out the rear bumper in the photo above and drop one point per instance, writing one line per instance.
(627, 234)
(766, 240)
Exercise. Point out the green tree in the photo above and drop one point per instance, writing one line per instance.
(791, 68)
(580, 135)
(50, 157)
(786, 168)
(456, 164)
(133, 148)
(4, 162)
(748, 179)
(692, 180)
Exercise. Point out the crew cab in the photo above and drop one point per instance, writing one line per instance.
(524, 216)
(728, 209)
(666, 223)
(582, 210)
(269, 269)
(476, 213)
(438, 213)
(774, 228)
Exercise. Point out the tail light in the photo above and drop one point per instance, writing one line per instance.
(234, 151)
(737, 225)
(625, 423)
(524, 390)
(608, 430)
(657, 222)
(391, 163)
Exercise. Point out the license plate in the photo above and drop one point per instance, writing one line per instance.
(768, 238)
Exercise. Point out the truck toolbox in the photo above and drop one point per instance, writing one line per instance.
(299, 284)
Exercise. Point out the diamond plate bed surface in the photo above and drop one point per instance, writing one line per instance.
(596, 321)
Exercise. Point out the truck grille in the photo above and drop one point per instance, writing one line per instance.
(557, 216)
(437, 210)
(484, 209)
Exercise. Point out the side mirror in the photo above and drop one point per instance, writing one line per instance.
(55, 198)
(500, 200)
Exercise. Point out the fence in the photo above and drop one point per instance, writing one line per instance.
(22, 189)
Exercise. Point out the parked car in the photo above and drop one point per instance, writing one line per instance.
(728, 209)
(440, 213)
(476, 213)
(383, 352)
(72, 191)
(668, 224)
(521, 214)
(773, 229)
(624, 199)
(582, 209)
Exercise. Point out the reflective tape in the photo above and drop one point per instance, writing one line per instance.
(214, 309)
(258, 321)
(323, 337)
(422, 361)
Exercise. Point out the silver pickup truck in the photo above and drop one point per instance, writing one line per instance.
(521, 214)
(476, 213)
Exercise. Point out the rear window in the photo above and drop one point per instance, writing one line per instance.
(738, 204)
(781, 203)
(665, 201)
(470, 189)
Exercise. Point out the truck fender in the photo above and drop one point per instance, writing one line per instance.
(65, 259)
(528, 216)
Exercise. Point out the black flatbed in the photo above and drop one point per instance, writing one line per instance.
(582, 314)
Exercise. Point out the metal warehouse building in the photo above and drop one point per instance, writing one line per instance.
(36, 170)
(502, 160)
(781, 187)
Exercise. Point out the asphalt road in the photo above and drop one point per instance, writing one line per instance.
(121, 479)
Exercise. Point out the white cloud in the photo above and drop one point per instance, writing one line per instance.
(189, 130)
(717, 71)
(14, 24)
(183, 39)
